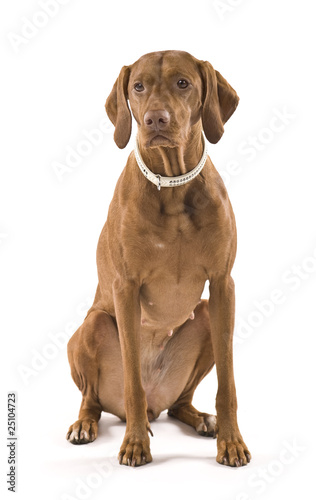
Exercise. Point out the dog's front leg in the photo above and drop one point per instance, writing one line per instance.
(135, 448)
(230, 445)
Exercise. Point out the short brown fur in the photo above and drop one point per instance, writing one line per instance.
(148, 339)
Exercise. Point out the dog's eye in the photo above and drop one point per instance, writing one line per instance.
(182, 84)
(139, 87)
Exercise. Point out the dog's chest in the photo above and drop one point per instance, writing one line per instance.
(173, 240)
(172, 274)
(170, 255)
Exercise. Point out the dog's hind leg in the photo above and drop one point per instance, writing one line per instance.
(89, 351)
(203, 423)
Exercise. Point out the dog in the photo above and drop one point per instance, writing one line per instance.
(148, 340)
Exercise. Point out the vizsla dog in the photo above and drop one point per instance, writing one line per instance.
(148, 339)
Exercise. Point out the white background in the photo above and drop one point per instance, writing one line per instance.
(54, 86)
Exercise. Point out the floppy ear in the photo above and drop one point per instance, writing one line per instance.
(219, 102)
(117, 109)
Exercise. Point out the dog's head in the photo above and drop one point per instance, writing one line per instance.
(169, 92)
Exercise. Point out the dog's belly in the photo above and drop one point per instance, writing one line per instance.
(165, 307)
(156, 380)
(164, 374)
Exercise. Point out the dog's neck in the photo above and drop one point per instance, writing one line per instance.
(178, 160)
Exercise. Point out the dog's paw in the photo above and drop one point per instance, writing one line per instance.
(135, 451)
(207, 426)
(232, 452)
(83, 431)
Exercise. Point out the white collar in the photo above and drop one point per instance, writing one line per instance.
(161, 181)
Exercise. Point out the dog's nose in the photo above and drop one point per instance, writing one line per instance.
(157, 120)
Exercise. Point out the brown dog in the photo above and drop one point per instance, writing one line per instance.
(148, 340)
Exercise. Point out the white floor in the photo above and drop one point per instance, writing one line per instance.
(54, 88)
(183, 462)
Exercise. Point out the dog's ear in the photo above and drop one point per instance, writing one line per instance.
(219, 102)
(117, 109)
